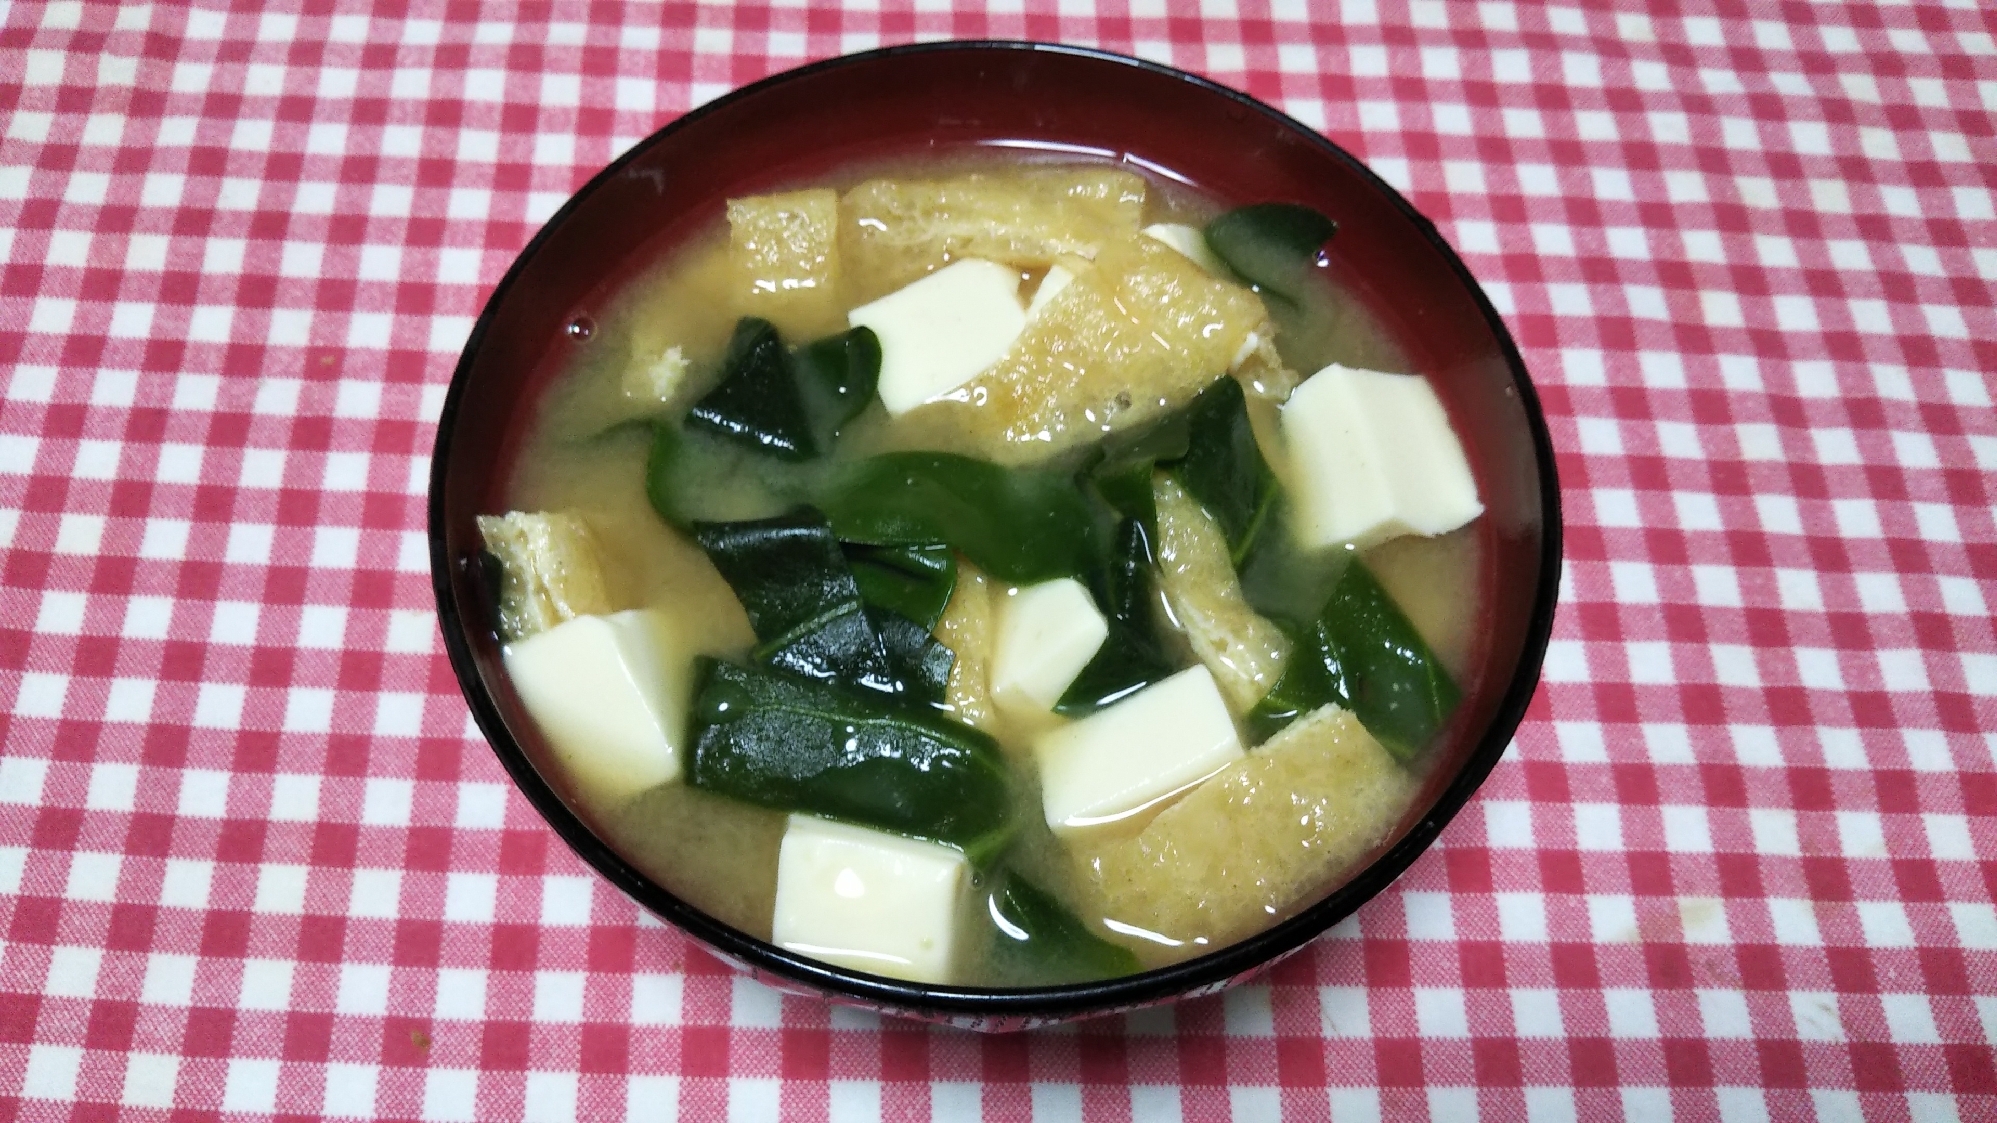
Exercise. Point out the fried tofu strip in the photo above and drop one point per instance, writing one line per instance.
(551, 567)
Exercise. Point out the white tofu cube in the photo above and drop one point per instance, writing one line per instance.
(1051, 285)
(610, 694)
(1047, 633)
(939, 332)
(869, 900)
(1188, 240)
(1373, 458)
(1117, 761)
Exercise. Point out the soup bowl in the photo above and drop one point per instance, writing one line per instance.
(906, 101)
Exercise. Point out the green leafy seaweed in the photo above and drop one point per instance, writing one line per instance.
(801, 598)
(1021, 525)
(757, 402)
(920, 662)
(692, 476)
(1273, 246)
(789, 404)
(836, 378)
(778, 741)
(1362, 653)
(914, 580)
(1223, 466)
(1130, 658)
(1040, 940)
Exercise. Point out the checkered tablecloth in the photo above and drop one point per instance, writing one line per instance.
(1738, 865)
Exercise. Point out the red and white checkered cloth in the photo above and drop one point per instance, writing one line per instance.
(1739, 864)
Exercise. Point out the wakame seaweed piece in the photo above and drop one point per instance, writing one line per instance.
(801, 597)
(1362, 653)
(1223, 466)
(1043, 940)
(1021, 525)
(665, 474)
(1127, 662)
(1121, 473)
(778, 741)
(1286, 581)
(914, 580)
(1130, 657)
(836, 377)
(1126, 489)
(1309, 680)
(757, 402)
(1272, 246)
(694, 476)
(921, 663)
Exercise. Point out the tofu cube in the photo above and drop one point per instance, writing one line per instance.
(939, 332)
(1120, 760)
(1051, 285)
(1047, 633)
(611, 695)
(1188, 240)
(869, 900)
(1373, 458)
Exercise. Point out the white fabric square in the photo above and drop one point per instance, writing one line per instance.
(460, 994)
(652, 1097)
(350, 1090)
(169, 980)
(754, 1004)
(1724, 1014)
(551, 1097)
(470, 897)
(1549, 1105)
(251, 1085)
(1344, 1012)
(266, 985)
(149, 1080)
(1441, 1013)
(386, 802)
(93, 876)
(72, 972)
(1055, 1103)
(1910, 1019)
(481, 806)
(51, 1072)
(656, 1000)
(204, 793)
(1522, 917)
(1631, 1013)
(185, 883)
(1429, 916)
(558, 996)
(363, 989)
(1885, 924)
(450, 1095)
(375, 894)
(754, 1098)
(1815, 1014)
(281, 889)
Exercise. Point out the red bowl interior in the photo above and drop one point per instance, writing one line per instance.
(942, 96)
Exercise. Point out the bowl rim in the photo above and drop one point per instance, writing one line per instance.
(1202, 974)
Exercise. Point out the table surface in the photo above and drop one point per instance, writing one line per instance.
(1738, 864)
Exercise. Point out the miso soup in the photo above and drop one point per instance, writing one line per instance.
(994, 572)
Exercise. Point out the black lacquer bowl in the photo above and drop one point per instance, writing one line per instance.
(908, 100)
